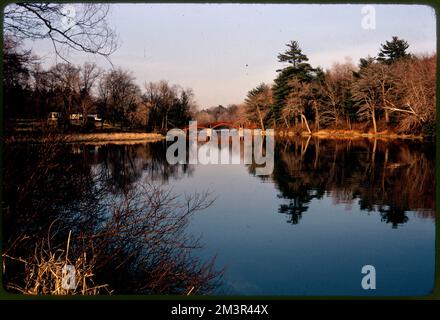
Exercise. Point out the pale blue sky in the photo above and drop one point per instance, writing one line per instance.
(224, 50)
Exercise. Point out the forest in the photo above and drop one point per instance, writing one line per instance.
(393, 92)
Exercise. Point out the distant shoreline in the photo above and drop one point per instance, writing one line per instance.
(353, 134)
(139, 137)
(111, 137)
(95, 138)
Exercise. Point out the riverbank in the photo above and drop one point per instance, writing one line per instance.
(139, 137)
(112, 137)
(354, 134)
(92, 138)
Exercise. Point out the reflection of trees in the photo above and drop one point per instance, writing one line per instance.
(158, 168)
(136, 238)
(388, 177)
(121, 166)
(294, 209)
(41, 185)
(393, 215)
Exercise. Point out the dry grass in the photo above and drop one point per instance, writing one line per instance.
(108, 137)
(95, 138)
(45, 273)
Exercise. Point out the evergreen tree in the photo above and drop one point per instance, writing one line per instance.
(393, 50)
(365, 62)
(298, 68)
(293, 54)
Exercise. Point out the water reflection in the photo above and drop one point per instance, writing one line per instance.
(390, 177)
(393, 181)
(122, 165)
(132, 232)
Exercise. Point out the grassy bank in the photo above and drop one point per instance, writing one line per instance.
(112, 137)
(92, 138)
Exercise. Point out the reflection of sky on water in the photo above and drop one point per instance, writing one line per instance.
(322, 255)
(346, 215)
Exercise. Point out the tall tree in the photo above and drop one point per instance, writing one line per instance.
(393, 50)
(66, 81)
(336, 89)
(298, 68)
(296, 103)
(89, 74)
(366, 92)
(293, 55)
(119, 96)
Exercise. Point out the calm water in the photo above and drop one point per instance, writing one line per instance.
(329, 208)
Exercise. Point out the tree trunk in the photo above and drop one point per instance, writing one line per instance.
(387, 117)
(285, 121)
(316, 117)
(260, 117)
(303, 117)
(373, 116)
(348, 122)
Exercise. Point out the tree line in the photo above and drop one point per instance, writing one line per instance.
(393, 91)
(30, 91)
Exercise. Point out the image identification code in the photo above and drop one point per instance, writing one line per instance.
(221, 309)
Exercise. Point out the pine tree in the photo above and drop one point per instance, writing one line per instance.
(393, 50)
(365, 62)
(298, 68)
(293, 55)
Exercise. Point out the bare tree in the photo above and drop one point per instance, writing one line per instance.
(89, 74)
(167, 105)
(336, 88)
(81, 27)
(258, 102)
(66, 83)
(416, 92)
(366, 91)
(119, 96)
(297, 101)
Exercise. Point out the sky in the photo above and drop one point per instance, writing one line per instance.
(222, 51)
